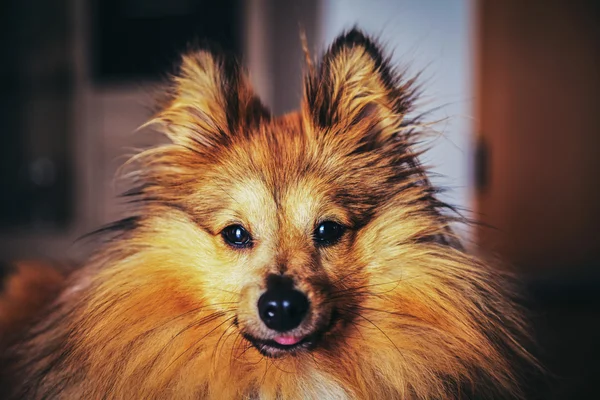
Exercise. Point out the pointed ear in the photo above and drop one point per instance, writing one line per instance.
(210, 101)
(355, 87)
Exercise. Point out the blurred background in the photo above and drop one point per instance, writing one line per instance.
(514, 84)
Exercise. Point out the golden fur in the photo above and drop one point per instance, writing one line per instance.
(161, 310)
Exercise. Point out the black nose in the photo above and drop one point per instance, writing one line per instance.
(282, 308)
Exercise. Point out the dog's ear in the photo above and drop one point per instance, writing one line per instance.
(354, 93)
(210, 101)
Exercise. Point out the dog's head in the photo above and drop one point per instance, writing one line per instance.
(284, 203)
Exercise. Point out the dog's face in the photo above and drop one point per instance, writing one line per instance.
(286, 234)
(285, 222)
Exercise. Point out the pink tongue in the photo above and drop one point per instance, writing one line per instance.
(287, 340)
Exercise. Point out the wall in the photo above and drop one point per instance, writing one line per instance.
(433, 36)
(539, 90)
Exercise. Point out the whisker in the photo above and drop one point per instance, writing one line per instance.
(358, 330)
(377, 327)
(202, 338)
(216, 348)
(275, 362)
(356, 293)
(397, 313)
(206, 319)
(237, 343)
(396, 282)
(359, 290)
(345, 277)
(267, 366)
(260, 359)
(186, 313)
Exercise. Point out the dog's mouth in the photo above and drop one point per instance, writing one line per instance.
(290, 344)
(283, 344)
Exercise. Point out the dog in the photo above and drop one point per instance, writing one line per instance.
(304, 256)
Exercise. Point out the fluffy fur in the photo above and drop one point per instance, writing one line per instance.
(162, 310)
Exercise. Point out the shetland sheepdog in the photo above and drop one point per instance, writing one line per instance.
(303, 256)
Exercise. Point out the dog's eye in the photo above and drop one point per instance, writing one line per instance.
(236, 236)
(328, 233)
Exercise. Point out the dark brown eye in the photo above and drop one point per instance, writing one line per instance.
(328, 233)
(236, 236)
